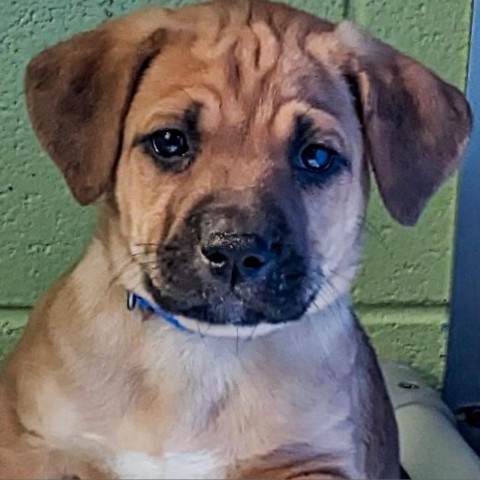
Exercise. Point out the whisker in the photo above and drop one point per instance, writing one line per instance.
(136, 254)
(208, 328)
(237, 340)
(198, 329)
(122, 270)
(253, 333)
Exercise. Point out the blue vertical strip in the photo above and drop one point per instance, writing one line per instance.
(462, 376)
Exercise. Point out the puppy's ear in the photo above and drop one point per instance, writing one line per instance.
(415, 125)
(78, 93)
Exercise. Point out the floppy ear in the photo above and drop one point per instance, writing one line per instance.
(415, 125)
(78, 93)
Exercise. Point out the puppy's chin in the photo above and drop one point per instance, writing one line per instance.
(230, 317)
(233, 321)
(246, 332)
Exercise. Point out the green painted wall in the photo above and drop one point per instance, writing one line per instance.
(404, 285)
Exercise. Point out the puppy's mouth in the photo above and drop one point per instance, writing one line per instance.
(230, 308)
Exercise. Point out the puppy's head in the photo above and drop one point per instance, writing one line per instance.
(233, 140)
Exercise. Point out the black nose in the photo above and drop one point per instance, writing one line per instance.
(248, 256)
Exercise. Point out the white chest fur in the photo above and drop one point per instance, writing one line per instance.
(137, 465)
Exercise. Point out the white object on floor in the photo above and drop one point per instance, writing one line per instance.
(430, 445)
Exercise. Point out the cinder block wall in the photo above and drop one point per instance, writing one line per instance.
(403, 290)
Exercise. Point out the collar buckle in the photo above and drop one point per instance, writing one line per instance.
(132, 300)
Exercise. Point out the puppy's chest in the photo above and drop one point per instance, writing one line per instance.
(223, 409)
(238, 425)
(225, 446)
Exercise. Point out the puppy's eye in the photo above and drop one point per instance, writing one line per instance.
(316, 158)
(167, 144)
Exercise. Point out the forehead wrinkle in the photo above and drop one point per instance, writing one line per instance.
(282, 122)
(250, 58)
(177, 101)
(268, 49)
(209, 97)
(218, 29)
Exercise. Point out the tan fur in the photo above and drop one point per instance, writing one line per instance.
(94, 390)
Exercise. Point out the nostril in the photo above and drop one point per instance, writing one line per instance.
(216, 258)
(276, 247)
(253, 262)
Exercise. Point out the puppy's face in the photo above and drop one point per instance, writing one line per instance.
(239, 173)
(240, 178)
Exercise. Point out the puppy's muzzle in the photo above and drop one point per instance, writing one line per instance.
(233, 262)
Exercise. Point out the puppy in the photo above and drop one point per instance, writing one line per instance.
(207, 331)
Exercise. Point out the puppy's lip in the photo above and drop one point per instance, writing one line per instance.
(227, 314)
(246, 332)
(206, 329)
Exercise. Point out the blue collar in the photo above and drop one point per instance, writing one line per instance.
(134, 301)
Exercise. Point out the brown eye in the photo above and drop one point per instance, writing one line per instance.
(316, 158)
(167, 144)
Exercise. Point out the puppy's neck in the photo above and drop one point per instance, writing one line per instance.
(109, 261)
(319, 349)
